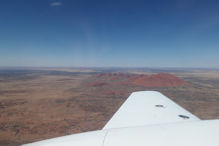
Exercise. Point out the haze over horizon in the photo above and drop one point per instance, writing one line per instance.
(115, 33)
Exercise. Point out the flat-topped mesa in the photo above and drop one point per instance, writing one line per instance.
(154, 80)
(158, 80)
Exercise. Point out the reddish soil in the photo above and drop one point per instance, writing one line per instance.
(97, 84)
(154, 80)
(37, 105)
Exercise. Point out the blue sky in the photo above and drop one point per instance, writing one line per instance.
(109, 33)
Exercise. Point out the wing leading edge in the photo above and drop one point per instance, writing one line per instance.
(148, 108)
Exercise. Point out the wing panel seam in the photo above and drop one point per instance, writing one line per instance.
(105, 137)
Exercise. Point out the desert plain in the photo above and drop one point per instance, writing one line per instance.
(42, 103)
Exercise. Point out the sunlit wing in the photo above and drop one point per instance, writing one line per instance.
(148, 108)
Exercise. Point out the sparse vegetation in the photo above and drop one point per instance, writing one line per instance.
(41, 104)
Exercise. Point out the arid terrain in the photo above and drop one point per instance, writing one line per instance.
(42, 103)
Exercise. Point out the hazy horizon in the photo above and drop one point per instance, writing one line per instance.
(109, 67)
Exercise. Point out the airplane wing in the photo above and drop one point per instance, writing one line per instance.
(141, 109)
(148, 108)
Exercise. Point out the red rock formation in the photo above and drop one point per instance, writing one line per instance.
(113, 76)
(154, 80)
(157, 80)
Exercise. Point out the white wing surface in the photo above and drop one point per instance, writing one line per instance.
(148, 108)
(94, 138)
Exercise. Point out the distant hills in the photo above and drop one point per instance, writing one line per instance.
(154, 80)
